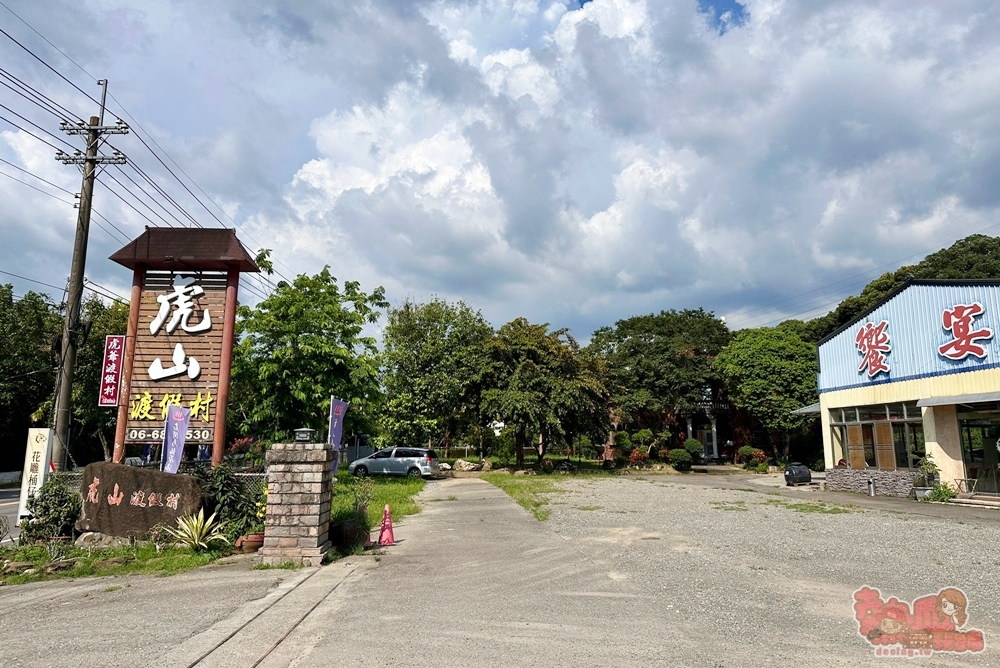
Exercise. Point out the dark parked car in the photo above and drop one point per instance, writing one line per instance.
(411, 462)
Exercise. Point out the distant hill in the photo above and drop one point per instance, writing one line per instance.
(976, 256)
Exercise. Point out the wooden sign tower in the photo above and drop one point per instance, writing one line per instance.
(179, 345)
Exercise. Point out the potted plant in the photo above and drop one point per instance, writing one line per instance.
(923, 481)
(253, 539)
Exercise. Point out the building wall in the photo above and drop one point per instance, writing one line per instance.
(941, 421)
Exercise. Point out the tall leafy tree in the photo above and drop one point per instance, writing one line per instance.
(661, 363)
(771, 371)
(433, 356)
(303, 343)
(542, 387)
(28, 327)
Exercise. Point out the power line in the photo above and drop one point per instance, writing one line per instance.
(29, 132)
(124, 237)
(138, 199)
(37, 97)
(56, 197)
(30, 122)
(136, 128)
(49, 285)
(163, 193)
(37, 177)
(39, 59)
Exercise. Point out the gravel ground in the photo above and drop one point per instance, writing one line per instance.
(746, 574)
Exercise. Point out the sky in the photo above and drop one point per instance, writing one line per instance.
(573, 163)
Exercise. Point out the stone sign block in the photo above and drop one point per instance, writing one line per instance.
(128, 501)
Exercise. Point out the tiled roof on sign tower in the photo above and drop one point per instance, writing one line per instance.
(179, 248)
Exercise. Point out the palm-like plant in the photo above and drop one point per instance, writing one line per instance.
(196, 532)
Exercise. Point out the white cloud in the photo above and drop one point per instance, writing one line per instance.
(574, 165)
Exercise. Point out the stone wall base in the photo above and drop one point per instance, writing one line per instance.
(305, 556)
(887, 483)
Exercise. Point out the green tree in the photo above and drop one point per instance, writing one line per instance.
(28, 327)
(302, 344)
(976, 256)
(771, 371)
(661, 363)
(433, 357)
(542, 387)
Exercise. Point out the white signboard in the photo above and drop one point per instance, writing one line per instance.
(36, 466)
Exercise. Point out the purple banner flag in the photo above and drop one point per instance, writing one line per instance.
(174, 435)
(338, 408)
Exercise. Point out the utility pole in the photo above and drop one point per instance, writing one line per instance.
(71, 326)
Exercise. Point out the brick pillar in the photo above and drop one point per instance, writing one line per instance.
(299, 490)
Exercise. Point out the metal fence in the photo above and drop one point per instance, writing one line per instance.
(256, 483)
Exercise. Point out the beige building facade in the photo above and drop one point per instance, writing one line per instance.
(918, 375)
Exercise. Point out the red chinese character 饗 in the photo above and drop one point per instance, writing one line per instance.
(873, 344)
(958, 321)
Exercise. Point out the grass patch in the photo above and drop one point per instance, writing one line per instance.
(108, 590)
(810, 507)
(397, 492)
(588, 507)
(527, 491)
(131, 559)
(288, 566)
(728, 505)
(450, 498)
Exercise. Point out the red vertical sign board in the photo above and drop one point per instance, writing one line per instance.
(111, 370)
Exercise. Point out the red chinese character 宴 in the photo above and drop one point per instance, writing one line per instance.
(958, 321)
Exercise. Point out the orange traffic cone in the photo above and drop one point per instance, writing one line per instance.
(385, 536)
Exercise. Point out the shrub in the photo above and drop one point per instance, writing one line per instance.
(680, 459)
(942, 491)
(819, 465)
(643, 437)
(230, 499)
(638, 458)
(761, 468)
(620, 461)
(54, 511)
(694, 447)
(744, 454)
(751, 457)
(198, 533)
(623, 441)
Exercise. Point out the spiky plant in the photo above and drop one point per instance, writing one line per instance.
(196, 532)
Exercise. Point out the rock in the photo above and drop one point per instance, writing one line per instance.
(114, 561)
(99, 540)
(444, 466)
(462, 465)
(127, 500)
(524, 472)
(16, 567)
(63, 565)
(486, 466)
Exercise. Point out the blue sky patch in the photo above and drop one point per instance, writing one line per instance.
(724, 14)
